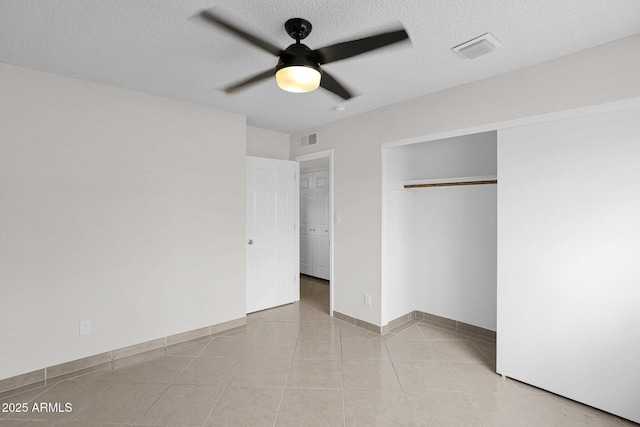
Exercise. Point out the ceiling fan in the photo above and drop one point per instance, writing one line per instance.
(299, 67)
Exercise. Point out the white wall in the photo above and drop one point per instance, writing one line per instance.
(322, 164)
(439, 244)
(568, 245)
(267, 143)
(117, 207)
(603, 74)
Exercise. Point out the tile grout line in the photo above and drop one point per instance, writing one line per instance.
(402, 390)
(284, 388)
(146, 411)
(70, 419)
(344, 406)
(245, 356)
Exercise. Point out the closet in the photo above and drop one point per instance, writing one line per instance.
(439, 229)
(314, 224)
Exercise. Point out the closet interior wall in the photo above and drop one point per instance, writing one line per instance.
(439, 251)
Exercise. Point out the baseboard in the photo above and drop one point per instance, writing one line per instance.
(398, 323)
(443, 321)
(74, 368)
(357, 322)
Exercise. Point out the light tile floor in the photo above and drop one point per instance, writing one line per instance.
(296, 366)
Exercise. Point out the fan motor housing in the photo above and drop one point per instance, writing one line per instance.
(298, 55)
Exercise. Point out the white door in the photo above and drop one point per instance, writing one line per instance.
(314, 224)
(272, 233)
(306, 220)
(321, 227)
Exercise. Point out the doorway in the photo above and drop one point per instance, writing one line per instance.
(317, 244)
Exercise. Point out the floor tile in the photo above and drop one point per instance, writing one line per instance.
(305, 289)
(319, 330)
(249, 332)
(280, 329)
(259, 316)
(517, 410)
(27, 423)
(480, 377)
(318, 348)
(369, 374)
(406, 350)
(122, 403)
(286, 313)
(457, 351)
(316, 315)
(410, 332)
(348, 331)
(442, 409)
(112, 374)
(315, 374)
(163, 370)
(439, 333)
(228, 346)
(363, 349)
(276, 348)
(24, 397)
(76, 394)
(566, 412)
(426, 376)
(376, 408)
(191, 349)
(209, 370)
(258, 372)
(183, 404)
(526, 388)
(246, 406)
(626, 423)
(311, 408)
(487, 348)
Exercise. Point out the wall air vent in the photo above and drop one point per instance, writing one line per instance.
(479, 46)
(309, 139)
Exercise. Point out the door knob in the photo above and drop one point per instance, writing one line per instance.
(250, 242)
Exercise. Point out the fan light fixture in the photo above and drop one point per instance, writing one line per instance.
(298, 78)
(298, 69)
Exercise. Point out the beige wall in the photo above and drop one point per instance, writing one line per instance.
(267, 143)
(598, 75)
(117, 207)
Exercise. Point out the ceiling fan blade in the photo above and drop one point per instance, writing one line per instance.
(348, 49)
(250, 80)
(212, 18)
(332, 85)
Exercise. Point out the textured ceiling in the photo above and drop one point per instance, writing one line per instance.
(151, 46)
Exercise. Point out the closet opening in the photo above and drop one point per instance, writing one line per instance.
(439, 219)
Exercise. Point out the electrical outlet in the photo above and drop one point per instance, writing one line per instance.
(85, 327)
(367, 300)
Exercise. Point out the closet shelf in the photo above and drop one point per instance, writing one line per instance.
(445, 182)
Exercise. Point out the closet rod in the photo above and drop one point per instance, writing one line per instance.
(447, 184)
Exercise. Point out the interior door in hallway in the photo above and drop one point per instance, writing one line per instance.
(314, 224)
(272, 233)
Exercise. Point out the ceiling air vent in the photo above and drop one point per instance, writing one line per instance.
(479, 46)
(309, 139)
